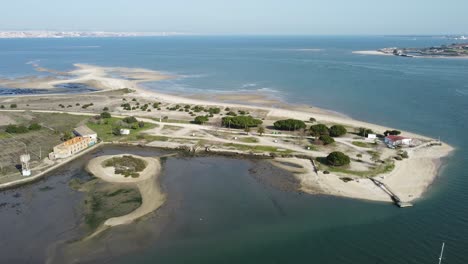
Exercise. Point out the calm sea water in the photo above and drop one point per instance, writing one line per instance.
(428, 96)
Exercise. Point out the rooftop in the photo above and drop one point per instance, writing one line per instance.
(84, 131)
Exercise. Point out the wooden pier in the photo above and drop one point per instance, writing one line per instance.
(394, 197)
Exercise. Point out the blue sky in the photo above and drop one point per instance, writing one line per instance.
(240, 16)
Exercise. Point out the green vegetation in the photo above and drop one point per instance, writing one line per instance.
(337, 131)
(392, 132)
(105, 115)
(326, 139)
(319, 130)
(240, 121)
(261, 130)
(87, 105)
(364, 132)
(34, 126)
(289, 124)
(337, 159)
(248, 140)
(363, 144)
(109, 129)
(126, 165)
(14, 129)
(13, 106)
(200, 120)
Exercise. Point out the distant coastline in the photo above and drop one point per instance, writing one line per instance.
(459, 50)
(81, 34)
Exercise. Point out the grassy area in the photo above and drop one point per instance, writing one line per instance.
(257, 149)
(363, 144)
(104, 130)
(248, 140)
(59, 122)
(386, 167)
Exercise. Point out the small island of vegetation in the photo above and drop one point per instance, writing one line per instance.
(127, 165)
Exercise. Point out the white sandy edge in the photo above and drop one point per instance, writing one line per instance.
(151, 194)
(409, 180)
(372, 52)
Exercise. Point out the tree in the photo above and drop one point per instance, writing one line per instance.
(319, 130)
(261, 130)
(289, 124)
(200, 120)
(67, 135)
(240, 121)
(364, 132)
(34, 126)
(105, 109)
(247, 129)
(326, 139)
(337, 131)
(337, 158)
(392, 132)
(141, 124)
(130, 119)
(13, 106)
(105, 115)
(116, 131)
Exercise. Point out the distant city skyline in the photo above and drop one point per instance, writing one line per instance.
(213, 17)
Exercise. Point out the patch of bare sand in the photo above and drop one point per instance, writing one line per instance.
(411, 177)
(331, 184)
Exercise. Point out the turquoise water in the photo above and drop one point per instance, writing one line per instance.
(428, 96)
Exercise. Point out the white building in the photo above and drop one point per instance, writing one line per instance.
(397, 141)
(124, 131)
(86, 132)
(371, 136)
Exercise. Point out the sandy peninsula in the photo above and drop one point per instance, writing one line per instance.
(409, 179)
(151, 194)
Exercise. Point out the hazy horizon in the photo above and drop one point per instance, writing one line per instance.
(242, 17)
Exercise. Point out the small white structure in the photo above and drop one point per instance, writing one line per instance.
(371, 136)
(394, 141)
(124, 131)
(86, 132)
(25, 170)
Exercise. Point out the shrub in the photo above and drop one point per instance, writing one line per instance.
(326, 139)
(231, 113)
(364, 132)
(34, 126)
(240, 121)
(126, 165)
(319, 130)
(214, 110)
(261, 130)
(130, 119)
(14, 129)
(2, 106)
(105, 109)
(105, 115)
(337, 158)
(289, 124)
(116, 131)
(13, 106)
(200, 120)
(392, 132)
(312, 120)
(337, 131)
(141, 124)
